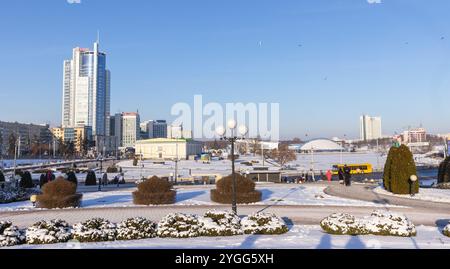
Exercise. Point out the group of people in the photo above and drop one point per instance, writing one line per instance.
(46, 178)
(344, 174)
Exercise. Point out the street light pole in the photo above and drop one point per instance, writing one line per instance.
(221, 132)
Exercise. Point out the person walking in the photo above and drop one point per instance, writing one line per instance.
(329, 175)
(347, 176)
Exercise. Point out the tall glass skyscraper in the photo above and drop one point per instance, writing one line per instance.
(86, 91)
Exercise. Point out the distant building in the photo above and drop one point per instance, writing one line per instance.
(321, 145)
(86, 91)
(158, 129)
(77, 135)
(370, 127)
(131, 131)
(417, 135)
(177, 131)
(145, 127)
(26, 135)
(116, 128)
(167, 149)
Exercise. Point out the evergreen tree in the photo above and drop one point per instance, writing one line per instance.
(399, 168)
(91, 179)
(444, 171)
(26, 180)
(72, 177)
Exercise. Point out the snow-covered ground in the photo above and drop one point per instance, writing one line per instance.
(426, 194)
(325, 161)
(298, 237)
(307, 194)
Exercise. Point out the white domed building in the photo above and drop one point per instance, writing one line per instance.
(321, 145)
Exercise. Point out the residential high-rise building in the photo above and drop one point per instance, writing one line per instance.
(86, 91)
(131, 131)
(370, 127)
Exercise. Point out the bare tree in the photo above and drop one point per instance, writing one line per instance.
(282, 155)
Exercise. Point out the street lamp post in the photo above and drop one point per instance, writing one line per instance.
(243, 130)
(412, 180)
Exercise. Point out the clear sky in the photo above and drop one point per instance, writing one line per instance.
(325, 61)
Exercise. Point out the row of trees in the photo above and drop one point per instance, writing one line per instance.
(282, 155)
(36, 147)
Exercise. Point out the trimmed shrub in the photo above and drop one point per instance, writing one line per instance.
(263, 223)
(48, 232)
(399, 168)
(220, 223)
(94, 230)
(26, 181)
(59, 194)
(444, 171)
(136, 228)
(112, 169)
(378, 223)
(154, 191)
(179, 225)
(245, 191)
(10, 235)
(342, 223)
(446, 230)
(91, 179)
(71, 177)
(443, 186)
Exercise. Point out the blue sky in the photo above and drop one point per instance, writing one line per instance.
(390, 59)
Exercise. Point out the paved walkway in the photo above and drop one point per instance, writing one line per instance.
(365, 192)
(308, 215)
(420, 212)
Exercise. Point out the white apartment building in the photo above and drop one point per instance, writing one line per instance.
(370, 127)
(130, 129)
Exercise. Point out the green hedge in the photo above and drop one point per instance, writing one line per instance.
(398, 169)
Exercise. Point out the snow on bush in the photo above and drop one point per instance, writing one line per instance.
(341, 223)
(94, 230)
(220, 223)
(179, 225)
(378, 223)
(136, 228)
(446, 230)
(10, 235)
(49, 232)
(263, 223)
(10, 194)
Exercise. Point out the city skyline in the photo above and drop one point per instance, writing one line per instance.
(294, 54)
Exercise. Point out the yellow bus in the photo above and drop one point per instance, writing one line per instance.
(356, 169)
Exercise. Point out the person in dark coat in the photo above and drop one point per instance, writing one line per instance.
(347, 175)
(341, 174)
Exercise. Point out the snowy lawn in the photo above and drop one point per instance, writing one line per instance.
(425, 194)
(272, 194)
(298, 237)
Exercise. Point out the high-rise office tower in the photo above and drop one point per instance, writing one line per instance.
(86, 91)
